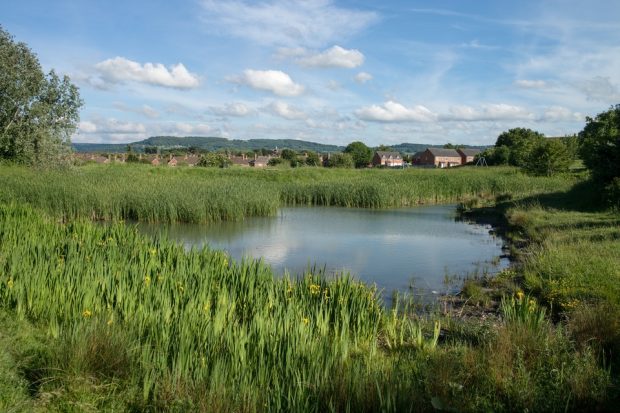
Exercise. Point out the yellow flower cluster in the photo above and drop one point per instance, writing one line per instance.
(87, 313)
(147, 280)
(315, 289)
(306, 320)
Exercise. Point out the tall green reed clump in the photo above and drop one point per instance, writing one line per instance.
(161, 194)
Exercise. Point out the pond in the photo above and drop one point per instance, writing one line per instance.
(399, 249)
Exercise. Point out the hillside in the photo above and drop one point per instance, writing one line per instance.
(215, 144)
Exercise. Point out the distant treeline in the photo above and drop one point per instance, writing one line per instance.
(212, 144)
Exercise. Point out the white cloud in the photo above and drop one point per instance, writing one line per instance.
(599, 89)
(335, 56)
(531, 84)
(274, 81)
(362, 77)
(285, 22)
(395, 112)
(559, 113)
(237, 109)
(110, 125)
(144, 110)
(286, 111)
(121, 70)
(500, 111)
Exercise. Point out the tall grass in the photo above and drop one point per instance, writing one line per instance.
(140, 324)
(147, 193)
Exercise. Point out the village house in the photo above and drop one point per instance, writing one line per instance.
(467, 155)
(440, 157)
(191, 160)
(259, 161)
(240, 160)
(389, 159)
(172, 161)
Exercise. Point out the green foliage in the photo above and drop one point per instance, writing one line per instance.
(340, 160)
(288, 154)
(360, 153)
(520, 142)
(214, 160)
(313, 159)
(38, 112)
(497, 155)
(600, 145)
(275, 161)
(524, 310)
(549, 157)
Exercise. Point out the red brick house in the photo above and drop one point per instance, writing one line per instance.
(389, 159)
(440, 157)
(467, 155)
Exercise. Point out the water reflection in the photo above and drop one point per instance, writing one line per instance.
(391, 248)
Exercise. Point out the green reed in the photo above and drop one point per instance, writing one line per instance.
(162, 194)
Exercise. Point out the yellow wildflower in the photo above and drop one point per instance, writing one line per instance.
(315, 289)
(110, 322)
(10, 283)
(520, 295)
(306, 320)
(87, 313)
(153, 251)
(147, 280)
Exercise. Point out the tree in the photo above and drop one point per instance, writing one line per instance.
(360, 153)
(214, 160)
(548, 158)
(38, 112)
(520, 142)
(599, 145)
(340, 160)
(313, 159)
(288, 154)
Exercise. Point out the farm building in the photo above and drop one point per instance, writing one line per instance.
(390, 159)
(440, 157)
(467, 155)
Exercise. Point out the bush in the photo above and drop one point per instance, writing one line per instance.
(549, 157)
(599, 145)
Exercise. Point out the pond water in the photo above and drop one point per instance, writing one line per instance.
(398, 249)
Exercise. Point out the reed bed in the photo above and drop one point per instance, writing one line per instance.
(158, 194)
(146, 326)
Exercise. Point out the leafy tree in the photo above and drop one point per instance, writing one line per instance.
(599, 145)
(38, 112)
(384, 148)
(275, 161)
(214, 160)
(288, 154)
(360, 153)
(313, 159)
(548, 158)
(340, 160)
(520, 142)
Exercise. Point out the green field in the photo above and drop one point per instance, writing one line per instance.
(101, 318)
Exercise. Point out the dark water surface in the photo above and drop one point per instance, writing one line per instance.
(396, 249)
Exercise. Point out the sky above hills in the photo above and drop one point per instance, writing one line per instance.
(328, 71)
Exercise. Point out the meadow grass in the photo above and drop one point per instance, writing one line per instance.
(162, 194)
(119, 321)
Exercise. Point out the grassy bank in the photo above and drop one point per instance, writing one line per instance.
(110, 319)
(149, 193)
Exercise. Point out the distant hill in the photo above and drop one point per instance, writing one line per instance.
(211, 143)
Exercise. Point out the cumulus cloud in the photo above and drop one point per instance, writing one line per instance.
(362, 77)
(500, 111)
(121, 70)
(335, 56)
(286, 111)
(559, 113)
(274, 81)
(110, 125)
(285, 22)
(392, 111)
(237, 109)
(531, 84)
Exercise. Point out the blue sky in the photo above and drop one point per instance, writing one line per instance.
(328, 71)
